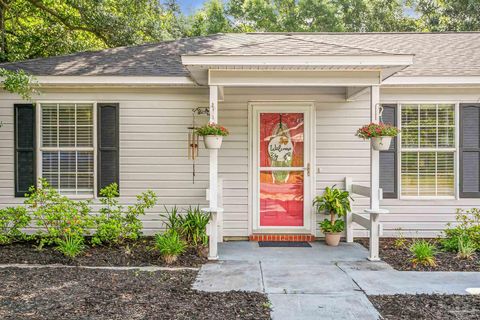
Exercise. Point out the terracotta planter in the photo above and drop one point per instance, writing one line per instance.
(169, 259)
(212, 142)
(381, 143)
(333, 238)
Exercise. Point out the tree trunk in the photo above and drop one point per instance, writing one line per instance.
(332, 217)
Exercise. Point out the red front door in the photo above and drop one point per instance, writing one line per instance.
(282, 169)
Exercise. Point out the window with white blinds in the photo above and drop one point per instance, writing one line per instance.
(428, 150)
(67, 147)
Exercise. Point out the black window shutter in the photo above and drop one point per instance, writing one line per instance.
(470, 150)
(24, 145)
(108, 141)
(388, 158)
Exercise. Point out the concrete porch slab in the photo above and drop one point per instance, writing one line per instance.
(319, 253)
(300, 278)
(227, 276)
(351, 306)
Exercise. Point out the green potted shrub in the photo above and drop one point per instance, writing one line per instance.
(380, 134)
(334, 202)
(212, 134)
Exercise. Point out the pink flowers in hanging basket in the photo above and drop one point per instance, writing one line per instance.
(373, 130)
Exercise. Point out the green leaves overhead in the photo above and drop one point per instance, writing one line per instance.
(42, 28)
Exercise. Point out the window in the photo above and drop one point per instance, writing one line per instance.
(67, 147)
(428, 150)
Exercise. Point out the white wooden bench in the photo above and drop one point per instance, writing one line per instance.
(372, 224)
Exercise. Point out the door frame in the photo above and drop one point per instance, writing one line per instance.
(254, 107)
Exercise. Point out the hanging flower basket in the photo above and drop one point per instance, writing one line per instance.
(381, 135)
(212, 134)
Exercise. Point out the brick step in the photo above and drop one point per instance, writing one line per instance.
(282, 237)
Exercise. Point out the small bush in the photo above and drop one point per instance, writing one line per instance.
(56, 215)
(466, 249)
(194, 227)
(71, 246)
(170, 246)
(12, 221)
(467, 230)
(114, 224)
(423, 253)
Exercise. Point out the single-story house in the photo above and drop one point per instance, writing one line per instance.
(123, 115)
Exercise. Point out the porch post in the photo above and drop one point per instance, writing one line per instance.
(213, 181)
(374, 180)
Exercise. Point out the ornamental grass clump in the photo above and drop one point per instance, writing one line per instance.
(170, 245)
(423, 252)
(212, 129)
(373, 130)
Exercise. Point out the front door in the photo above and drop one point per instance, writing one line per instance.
(282, 145)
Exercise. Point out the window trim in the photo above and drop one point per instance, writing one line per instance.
(455, 151)
(39, 149)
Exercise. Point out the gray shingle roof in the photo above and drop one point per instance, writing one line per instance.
(436, 54)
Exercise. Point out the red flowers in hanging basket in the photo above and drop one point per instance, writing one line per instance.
(212, 129)
(373, 130)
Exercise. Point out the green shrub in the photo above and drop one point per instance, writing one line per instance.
(114, 224)
(423, 253)
(195, 226)
(12, 221)
(466, 230)
(327, 226)
(466, 249)
(71, 246)
(57, 216)
(334, 202)
(170, 245)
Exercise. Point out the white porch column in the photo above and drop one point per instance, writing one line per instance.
(213, 181)
(374, 180)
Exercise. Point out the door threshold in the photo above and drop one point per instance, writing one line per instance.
(282, 237)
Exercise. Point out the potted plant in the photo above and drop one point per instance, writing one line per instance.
(380, 134)
(335, 202)
(212, 134)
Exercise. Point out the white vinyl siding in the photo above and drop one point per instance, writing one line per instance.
(67, 147)
(427, 150)
(153, 150)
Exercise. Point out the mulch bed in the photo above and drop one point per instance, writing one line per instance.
(427, 307)
(138, 253)
(399, 258)
(76, 293)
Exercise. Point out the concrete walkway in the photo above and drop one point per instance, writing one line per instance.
(320, 282)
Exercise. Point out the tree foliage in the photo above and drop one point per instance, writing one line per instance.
(41, 28)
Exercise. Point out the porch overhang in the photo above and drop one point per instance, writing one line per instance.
(278, 70)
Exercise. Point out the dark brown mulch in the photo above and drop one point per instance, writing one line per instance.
(399, 258)
(138, 253)
(427, 307)
(75, 293)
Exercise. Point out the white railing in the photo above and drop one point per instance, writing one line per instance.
(372, 224)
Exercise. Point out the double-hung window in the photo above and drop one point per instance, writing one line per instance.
(66, 146)
(428, 149)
